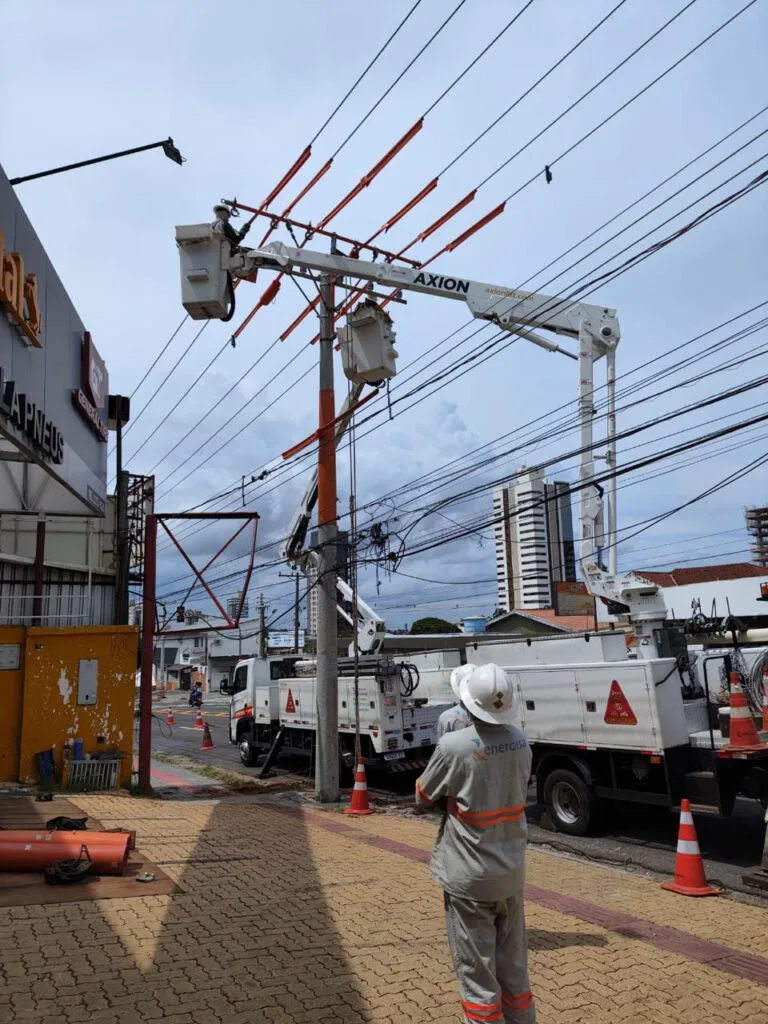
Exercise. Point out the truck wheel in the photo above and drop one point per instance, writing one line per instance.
(249, 753)
(570, 802)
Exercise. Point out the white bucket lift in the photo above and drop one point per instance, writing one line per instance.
(367, 344)
(204, 256)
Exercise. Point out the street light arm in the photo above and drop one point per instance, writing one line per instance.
(167, 146)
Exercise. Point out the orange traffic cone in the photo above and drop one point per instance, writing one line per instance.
(199, 720)
(743, 731)
(207, 741)
(359, 802)
(690, 879)
(170, 719)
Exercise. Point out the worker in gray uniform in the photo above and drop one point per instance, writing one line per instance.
(455, 717)
(481, 774)
(222, 226)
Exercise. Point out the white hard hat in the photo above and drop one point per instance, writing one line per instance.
(456, 676)
(487, 693)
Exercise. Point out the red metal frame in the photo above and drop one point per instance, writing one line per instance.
(150, 605)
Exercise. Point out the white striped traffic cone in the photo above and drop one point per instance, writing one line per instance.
(359, 803)
(743, 731)
(690, 879)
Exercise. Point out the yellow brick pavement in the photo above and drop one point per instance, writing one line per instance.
(285, 922)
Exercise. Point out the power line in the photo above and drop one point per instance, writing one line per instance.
(365, 71)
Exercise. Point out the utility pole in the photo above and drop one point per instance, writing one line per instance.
(327, 705)
(262, 627)
(296, 618)
(297, 600)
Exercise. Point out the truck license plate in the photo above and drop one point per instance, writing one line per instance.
(399, 755)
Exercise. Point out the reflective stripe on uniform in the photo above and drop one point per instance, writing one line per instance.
(486, 819)
(422, 794)
(521, 1002)
(482, 1012)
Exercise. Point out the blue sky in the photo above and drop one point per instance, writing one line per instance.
(243, 92)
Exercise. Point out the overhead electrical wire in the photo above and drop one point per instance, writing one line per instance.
(747, 6)
(457, 370)
(691, 341)
(445, 92)
(273, 195)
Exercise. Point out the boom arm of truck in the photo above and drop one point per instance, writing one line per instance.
(641, 599)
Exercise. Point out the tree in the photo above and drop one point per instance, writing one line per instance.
(433, 625)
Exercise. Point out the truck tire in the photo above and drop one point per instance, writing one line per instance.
(570, 802)
(249, 752)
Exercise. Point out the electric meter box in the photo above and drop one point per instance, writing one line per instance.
(367, 344)
(203, 257)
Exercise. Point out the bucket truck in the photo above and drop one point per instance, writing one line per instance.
(603, 726)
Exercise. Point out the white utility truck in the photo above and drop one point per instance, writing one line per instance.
(273, 709)
(607, 728)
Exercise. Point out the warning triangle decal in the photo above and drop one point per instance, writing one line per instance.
(618, 710)
(290, 707)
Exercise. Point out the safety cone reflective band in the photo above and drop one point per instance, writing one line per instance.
(359, 803)
(170, 719)
(690, 879)
(743, 731)
(207, 741)
(199, 720)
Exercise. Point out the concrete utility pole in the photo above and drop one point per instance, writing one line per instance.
(297, 601)
(327, 707)
(262, 627)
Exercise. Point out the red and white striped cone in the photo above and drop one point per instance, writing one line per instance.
(359, 803)
(207, 741)
(690, 879)
(743, 731)
(170, 719)
(199, 720)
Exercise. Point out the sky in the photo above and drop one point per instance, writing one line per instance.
(242, 96)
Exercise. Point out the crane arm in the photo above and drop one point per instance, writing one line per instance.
(293, 547)
(507, 307)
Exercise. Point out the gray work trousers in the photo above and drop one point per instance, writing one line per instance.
(489, 948)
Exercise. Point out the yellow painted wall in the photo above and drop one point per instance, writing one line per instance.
(51, 713)
(11, 683)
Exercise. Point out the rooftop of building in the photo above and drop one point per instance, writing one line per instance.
(703, 574)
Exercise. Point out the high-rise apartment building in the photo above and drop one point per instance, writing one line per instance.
(535, 549)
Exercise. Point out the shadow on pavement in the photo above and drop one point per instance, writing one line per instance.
(250, 937)
(539, 939)
(252, 934)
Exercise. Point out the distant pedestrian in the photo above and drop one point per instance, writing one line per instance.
(481, 772)
(455, 717)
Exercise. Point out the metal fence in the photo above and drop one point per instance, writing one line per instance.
(69, 598)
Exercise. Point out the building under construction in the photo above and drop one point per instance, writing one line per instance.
(757, 527)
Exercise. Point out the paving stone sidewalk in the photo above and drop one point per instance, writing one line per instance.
(294, 915)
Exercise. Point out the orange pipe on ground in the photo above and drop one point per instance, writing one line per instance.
(36, 851)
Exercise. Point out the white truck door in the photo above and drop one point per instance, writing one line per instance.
(241, 704)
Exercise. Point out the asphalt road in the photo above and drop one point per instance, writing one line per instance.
(641, 838)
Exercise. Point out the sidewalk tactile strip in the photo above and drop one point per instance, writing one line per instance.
(673, 940)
